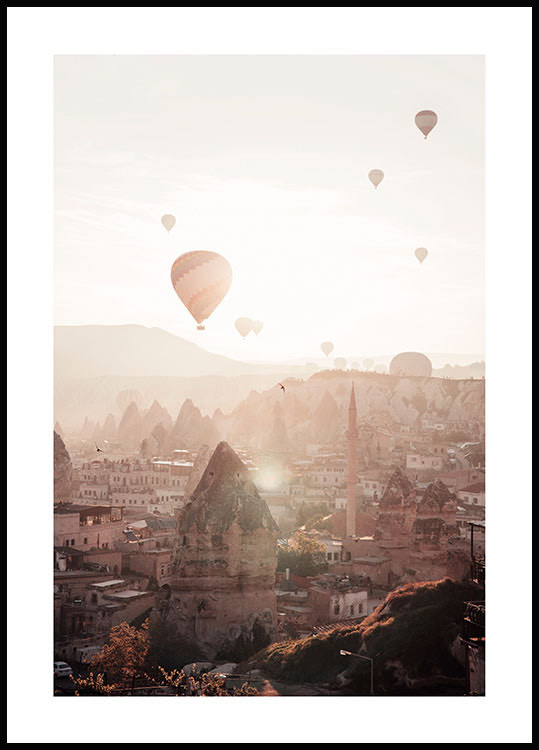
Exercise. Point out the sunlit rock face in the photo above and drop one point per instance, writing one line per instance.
(225, 561)
(62, 471)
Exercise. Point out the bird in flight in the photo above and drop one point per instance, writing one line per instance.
(98, 449)
(282, 387)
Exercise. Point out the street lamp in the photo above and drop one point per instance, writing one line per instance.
(367, 658)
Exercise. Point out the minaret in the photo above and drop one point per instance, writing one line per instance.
(351, 477)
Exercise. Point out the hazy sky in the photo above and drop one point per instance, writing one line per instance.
(264, 159)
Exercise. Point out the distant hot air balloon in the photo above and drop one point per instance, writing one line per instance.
(355, 365)
(421, 253)
(340, 363)
(327, 347)
(426, 120)
(168, 221)
(244, 326)
(368, 363)
(257, 326)
(201, 280)
(376, 176)
(411, 363)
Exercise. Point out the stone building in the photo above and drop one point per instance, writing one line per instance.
(222, 589)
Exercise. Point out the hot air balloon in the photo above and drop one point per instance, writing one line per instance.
(411, 363)
(244, 326)
(201, 280)
(426, 120)
(376, 176)
(327, 347)
(368, 363)
(421, 253)
(340, 363)
(355, 365)
(257, 326)
(168, 221)
(124, 398)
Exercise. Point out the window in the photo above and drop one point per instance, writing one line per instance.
(72, 542)
(351, 609)
(85, 540)
(329, 555)
(336, 609)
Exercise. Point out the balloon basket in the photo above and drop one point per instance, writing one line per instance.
(200, 328)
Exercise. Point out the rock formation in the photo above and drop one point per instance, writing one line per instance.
(62, 471)
(414, 531)
(316, 409)
(225, 562)
(130, 427)
(434, 524)
(155, 415)
(109, 428)
(87, 429)
(199, 467)
(191, 430)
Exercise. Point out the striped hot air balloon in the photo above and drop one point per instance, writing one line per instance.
(201, 280)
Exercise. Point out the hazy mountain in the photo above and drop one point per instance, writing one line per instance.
(133, 350)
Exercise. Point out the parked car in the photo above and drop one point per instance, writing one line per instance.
(61, 669)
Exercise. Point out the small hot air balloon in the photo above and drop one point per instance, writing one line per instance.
(257, 326)
(355, 365)
(201, 280)
(426, 120)
(368, 363)
(168, 221)
(421, 253)
(340, 363)
(327, 347)
(376, 176)
(244, 326)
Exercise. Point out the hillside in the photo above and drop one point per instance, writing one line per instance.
(134, 350)
(412, 637)
(316, 410)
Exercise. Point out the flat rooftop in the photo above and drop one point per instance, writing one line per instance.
(129, 594)
(106, 584)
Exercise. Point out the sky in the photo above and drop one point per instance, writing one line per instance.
(264, 159)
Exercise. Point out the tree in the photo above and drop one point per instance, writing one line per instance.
(304, 557)
(206, 685)
(125, 655)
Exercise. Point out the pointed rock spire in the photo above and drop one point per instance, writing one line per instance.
(224, 495)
